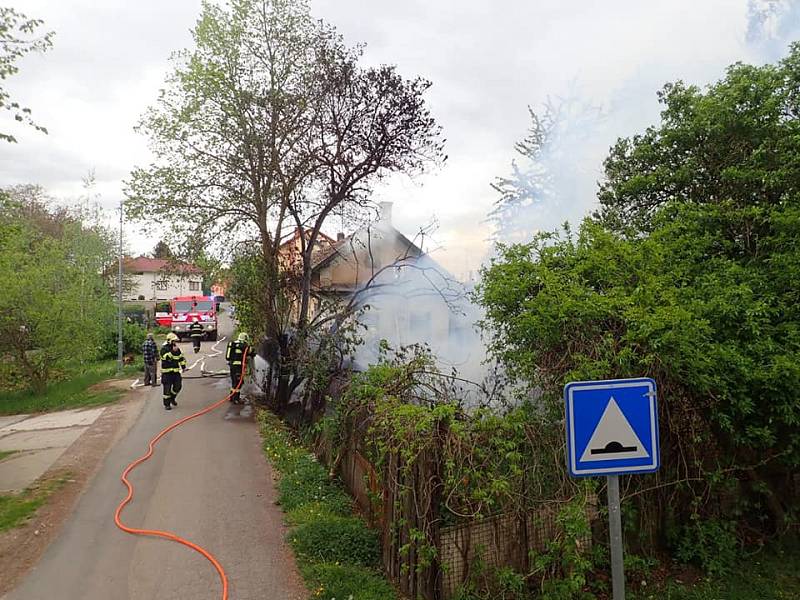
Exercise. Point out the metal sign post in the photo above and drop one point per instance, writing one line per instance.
(615, 538)
(612, 429)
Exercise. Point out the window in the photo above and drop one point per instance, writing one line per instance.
(161, 285)
(182, 306)
(194, 286)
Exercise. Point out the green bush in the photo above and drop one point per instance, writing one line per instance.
(342, 582)
(710, 544)
(493, 583)
(336, 552)
(305, 485)
(305, 481)
(311, 511)
(337, 539)
(688, 275)
(133, 336)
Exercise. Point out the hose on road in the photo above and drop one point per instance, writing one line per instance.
(151, 446)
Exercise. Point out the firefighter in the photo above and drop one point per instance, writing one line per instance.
(172, 364)
(234, 354)
(196, 332)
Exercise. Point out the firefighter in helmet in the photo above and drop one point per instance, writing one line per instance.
(196, 332)
(235, 355)
(172, 364)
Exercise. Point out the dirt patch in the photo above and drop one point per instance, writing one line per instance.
(21, 547)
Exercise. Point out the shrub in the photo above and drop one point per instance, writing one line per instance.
(343, 582)
(337, 539)
(307, 482)
(311, 511)
(710, 544)
(337, 553)
(133, 337)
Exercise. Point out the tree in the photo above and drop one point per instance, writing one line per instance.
(737, 142)
(270, 124)
(163, 251)
(544, 177)
(688, 275)
(56, 306)
(18, 37)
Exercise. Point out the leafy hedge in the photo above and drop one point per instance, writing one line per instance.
(338, 555)
(689, 274)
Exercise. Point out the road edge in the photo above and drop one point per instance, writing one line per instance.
(22, 547)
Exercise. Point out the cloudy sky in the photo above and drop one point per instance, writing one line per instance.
(487, 60)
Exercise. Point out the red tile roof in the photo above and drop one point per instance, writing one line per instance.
(144, 264)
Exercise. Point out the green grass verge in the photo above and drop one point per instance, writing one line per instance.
(71, 392)
(15, 509)
(338, 555)
(773, 574)
(332, 581)
(5, 453)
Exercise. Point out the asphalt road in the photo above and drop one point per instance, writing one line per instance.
(207, 482)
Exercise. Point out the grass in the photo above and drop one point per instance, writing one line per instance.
(16, 509)
(773, 574)
(5, 453)
(338, 555)
(71, 392)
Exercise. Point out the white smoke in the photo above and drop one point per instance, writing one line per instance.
(559, 183)
(418, 302)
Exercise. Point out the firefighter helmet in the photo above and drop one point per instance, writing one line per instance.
(171, 337)
(243, 337)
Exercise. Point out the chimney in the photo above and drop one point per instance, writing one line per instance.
(340, 237)
(386, 213)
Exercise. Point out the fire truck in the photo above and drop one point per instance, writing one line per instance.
(186, 308)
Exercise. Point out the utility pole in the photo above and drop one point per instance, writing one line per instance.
(120, 344)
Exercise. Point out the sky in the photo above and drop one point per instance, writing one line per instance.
(488, 62)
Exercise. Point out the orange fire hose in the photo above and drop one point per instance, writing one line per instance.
(166, 534)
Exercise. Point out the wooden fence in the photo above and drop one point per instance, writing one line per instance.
(498, 541)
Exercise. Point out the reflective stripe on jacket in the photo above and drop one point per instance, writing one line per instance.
(196, 330)
(235, 351)
(171, 360)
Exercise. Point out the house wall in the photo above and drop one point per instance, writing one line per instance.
(158, 286)
(365, 254)
(414, 304)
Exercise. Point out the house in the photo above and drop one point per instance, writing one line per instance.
(352, 262)
(407, 296)
(156, 279)
(289, 252)
(219, 288)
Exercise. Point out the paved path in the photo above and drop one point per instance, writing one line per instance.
(37, 442)
(208, 482)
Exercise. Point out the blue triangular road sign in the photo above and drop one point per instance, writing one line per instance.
(612, 427)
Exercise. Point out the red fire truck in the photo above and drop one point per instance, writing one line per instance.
(186, 308)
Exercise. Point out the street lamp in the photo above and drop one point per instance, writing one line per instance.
(120, 343)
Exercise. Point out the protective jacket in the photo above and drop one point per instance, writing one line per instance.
(235, 352)
(172, 361)
(196, 330)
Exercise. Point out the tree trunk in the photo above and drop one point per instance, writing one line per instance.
(773, 503)
(37, 377)
(283, 392)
